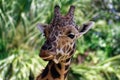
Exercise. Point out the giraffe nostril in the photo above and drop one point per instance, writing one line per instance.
(46, 47)
(49, 47)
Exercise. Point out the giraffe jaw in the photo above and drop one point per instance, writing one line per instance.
(57, 58)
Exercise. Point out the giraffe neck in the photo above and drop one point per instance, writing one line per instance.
(55, 71)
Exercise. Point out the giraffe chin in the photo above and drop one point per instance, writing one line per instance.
(60, 58)
(47, 55)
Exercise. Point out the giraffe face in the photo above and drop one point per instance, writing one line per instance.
(60, 36)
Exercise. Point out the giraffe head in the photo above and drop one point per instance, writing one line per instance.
(61, 35)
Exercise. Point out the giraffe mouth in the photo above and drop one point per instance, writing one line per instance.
(51, 55)
(47, 55)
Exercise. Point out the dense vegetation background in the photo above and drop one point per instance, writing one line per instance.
(98, 52)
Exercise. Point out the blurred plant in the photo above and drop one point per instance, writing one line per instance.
(116, 40)
(105, 70)
(103, 41)
(18, 25)
(20, 66)
(108, 10)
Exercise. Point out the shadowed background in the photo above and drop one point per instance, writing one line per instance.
(98, 52)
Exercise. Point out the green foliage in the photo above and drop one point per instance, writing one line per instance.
(16, 24)
(20, 65)
(103, 38)
(106, 70)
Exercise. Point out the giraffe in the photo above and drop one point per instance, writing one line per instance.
(61, 35)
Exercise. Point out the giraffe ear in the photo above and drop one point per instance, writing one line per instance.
(42, 27)
(85, 28)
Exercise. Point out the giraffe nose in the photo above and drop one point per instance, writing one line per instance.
(46, 46)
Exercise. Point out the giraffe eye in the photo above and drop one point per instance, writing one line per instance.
(71, 35)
